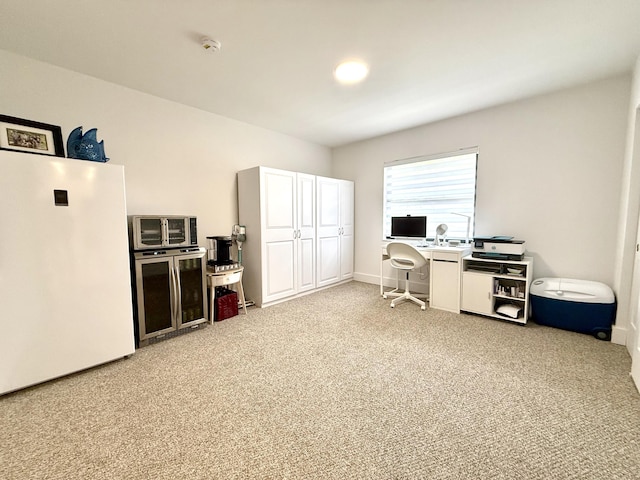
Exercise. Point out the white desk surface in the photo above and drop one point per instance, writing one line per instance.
(427, 249)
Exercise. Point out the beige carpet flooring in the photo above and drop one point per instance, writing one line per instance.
(337, 385)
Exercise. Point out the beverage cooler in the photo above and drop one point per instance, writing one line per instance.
(170, 291)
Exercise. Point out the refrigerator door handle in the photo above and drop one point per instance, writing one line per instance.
(178, 292)
(174, 296)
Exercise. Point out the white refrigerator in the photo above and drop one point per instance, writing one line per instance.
(65, 284)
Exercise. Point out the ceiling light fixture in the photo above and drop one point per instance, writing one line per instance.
(353, 71)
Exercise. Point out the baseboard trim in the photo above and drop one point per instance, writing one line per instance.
(366, 278)
(619, 335)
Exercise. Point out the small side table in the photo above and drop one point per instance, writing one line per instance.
(228, 277)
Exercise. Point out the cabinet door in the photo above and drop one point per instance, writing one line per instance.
(278, 216)
(346, 229)
(477, 294)
(306, 232)
(328, 228)
(445, 285)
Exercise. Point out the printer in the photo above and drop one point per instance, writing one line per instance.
(498, 248)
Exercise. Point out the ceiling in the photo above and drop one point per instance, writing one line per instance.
(429, 59)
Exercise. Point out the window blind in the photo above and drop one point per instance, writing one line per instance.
(442, 187)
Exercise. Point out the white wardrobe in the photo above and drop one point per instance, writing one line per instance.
(335, 230)
(299, 232)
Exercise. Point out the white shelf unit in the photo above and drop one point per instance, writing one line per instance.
(487, 284)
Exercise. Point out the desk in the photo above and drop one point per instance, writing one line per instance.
(228, 277)
(444, 274)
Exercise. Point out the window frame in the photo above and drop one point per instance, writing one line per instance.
(453, 218)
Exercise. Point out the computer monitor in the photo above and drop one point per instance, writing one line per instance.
(409, 227)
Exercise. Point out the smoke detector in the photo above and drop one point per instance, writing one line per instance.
(210, 45)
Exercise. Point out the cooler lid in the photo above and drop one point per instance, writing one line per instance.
(572, 290)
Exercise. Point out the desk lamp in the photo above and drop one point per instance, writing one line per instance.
(440, 231)
(468, 223)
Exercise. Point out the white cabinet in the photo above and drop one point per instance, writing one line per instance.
(477, 296)
(488, 285)
(277, 208)
(296, 223)
(445, 280)
(335, 230)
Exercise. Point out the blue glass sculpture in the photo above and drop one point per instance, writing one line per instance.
(86, 147)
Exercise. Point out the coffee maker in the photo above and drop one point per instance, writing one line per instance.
(219, 254)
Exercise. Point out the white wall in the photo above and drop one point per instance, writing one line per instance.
(178, 160)
(549, 172)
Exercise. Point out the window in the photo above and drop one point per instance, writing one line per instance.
(442, 187)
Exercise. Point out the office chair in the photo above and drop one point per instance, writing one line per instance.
(404, 257)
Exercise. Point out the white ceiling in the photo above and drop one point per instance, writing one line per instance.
(429, 59)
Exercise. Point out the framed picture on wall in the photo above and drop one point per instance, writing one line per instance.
(22, 135)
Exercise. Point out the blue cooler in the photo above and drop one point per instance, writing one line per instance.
(577, 305)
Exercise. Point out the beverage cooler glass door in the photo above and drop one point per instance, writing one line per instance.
(177, 231)
(192, 288)
(156, 304)
(150, 232)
